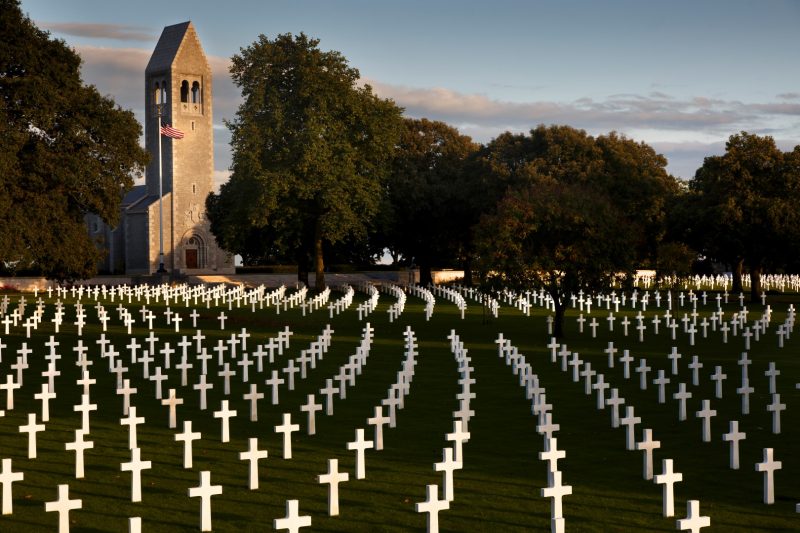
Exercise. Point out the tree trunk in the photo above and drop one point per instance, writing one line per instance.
(755, 283)
(737, 276)
(425, 276)
(319, 262)
(468, 272)
(558, 322)
(302, 267)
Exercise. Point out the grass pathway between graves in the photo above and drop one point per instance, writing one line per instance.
(497, 490)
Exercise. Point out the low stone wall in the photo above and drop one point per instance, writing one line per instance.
(28, 284)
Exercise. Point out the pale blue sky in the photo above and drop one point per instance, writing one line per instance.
(680, 75)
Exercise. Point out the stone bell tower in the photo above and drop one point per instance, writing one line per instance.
(178, 92)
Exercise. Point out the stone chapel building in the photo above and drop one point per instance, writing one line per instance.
(178, 80)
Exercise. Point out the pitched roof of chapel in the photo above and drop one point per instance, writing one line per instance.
(167, 47)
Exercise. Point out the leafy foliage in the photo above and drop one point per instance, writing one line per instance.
(427, 214)
(746, 202)
(67, 151)
(577, 211)
(310, 151)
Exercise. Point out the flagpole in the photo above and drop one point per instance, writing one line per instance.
(161, 269)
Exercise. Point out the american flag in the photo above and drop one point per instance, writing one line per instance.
(173, 133)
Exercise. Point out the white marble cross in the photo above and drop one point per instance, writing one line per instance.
(253, 396)
(706, 413)
(775, 408)
(172, 401)
(333, 477)
(10, 386)
(135, 467)
(642, 369)
(253, 454)
(85, 408)
(79, 446)
(7, 477)
(458, 437)
(552, 455)
(287, 428)
(614, 401)
(378, 421)
(674, 356)
(718, 377)
(695, 365)
(772, 373)
(45, 396)
(448, 465)
(203, 387)
(311, 407)
(31, 428)
(432, 505)
(126, 391)
(682, 395)
(661, 381)
(328, 392)
(630, 421)
(557, 491)
(132, 421)
(293, 521)
(693, 521)
(275, 381)
(63, 505)
(360, 446)
(187, 436)
(745, 391)
(668, 478)
(647, 445)
(734, 436)
(225, 414)
(205, 491)
(769, 466)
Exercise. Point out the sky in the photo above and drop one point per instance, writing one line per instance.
(680, 75)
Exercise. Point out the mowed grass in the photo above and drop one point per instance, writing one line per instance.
(498, 488)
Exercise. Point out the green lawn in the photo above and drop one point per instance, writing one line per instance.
(499, 487)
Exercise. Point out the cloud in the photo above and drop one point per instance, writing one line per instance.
(620, 112)
(684, 129)
(100, 31)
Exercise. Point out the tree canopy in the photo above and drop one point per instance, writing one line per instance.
(577, 211)
(425, 213)
(67, 151)
(311, 152)
(743, 206)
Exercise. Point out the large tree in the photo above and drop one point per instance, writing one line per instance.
(746, 206)
(425, 213)
(574, 212)
(311, 151)
(66, 151)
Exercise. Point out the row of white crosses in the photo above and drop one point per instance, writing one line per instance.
(545, 426)
(346, 376)
(295, 299)
(343, 303)
(734, 436)
(396, 309)
(136, 465)
(668, 477)
(293, 520)
(333, 477)
(451, 295)
(452, 456)
(781, 282)
(482, 298)
(317, 301)
(425, 295)
(369, 305)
